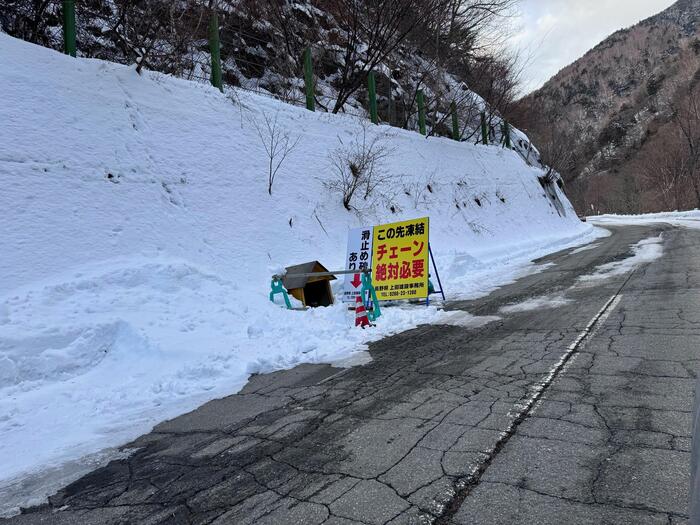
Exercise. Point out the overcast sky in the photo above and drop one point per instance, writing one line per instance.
(557, 32)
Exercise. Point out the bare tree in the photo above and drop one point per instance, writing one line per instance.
(556, 140)
(357, 169)
(156, 34)
(372, 30)
(497, 79)
(556, 146)
(30, 19)
(665, 172)
(278, 145)
(466, 105)
(281, 42)
(686, 116)
(465, 39)
(420, 190)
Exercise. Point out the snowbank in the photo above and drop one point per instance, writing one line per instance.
(689, 219)
(140, 239)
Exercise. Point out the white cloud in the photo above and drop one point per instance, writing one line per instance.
(557, 32)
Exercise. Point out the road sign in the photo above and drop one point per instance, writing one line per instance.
(359, 257)
(400, 260)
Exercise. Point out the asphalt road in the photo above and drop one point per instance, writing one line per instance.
(575, 414)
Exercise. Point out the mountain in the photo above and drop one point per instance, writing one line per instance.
(604, 120)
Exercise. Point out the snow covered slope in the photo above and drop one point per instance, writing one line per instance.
(140, 238)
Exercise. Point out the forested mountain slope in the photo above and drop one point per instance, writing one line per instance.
(611, 122)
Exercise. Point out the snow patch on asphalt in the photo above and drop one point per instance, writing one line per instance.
(536, 303)
(645, 251)
(356, 359)
(465, 319)
(585, 248)
(32, 489)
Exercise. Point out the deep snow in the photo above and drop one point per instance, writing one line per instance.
(141, 240)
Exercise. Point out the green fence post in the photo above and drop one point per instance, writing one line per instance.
(391, 107)
(421, 112)
(455, 122)
(506, 133)
(69, 27)
(309, 80)
(392, 111)
(215, 49)
(372, 88)
(484, 130)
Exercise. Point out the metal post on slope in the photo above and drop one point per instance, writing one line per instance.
(392, 107)
(506, 134)
(215, 49)
(437, 274)
(372, 89)
(455, 121)
(309, 80)
(484, 130)
(421, 112)
(69, 39)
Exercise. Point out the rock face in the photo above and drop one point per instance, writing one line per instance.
(614, 106)
(262, 44)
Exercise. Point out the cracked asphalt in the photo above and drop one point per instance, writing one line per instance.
(575, 414)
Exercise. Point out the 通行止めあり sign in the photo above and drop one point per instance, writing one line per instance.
(400, 261)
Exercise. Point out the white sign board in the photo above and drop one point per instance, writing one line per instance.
(359, 257)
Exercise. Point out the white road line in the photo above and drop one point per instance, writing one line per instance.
(536, 390)
(569, 357)
(525, 407)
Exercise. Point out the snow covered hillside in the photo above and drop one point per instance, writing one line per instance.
(140, 239)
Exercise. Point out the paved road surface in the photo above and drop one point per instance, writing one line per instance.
(575, 414)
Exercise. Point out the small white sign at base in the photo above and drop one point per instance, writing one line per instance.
(359, 257)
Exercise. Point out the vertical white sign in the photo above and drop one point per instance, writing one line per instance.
(359, 257)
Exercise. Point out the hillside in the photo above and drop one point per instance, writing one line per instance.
(143, 235)
(603, 118)
(409, 45)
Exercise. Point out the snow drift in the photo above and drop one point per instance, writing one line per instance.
(140, 238)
